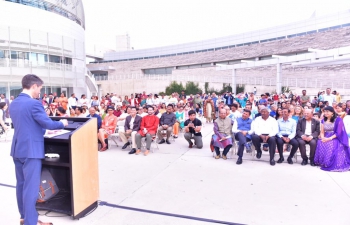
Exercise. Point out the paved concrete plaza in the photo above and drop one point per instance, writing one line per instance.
(190, 182)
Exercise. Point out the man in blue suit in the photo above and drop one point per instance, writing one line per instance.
(30, 122)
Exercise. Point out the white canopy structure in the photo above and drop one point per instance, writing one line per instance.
(314, 58)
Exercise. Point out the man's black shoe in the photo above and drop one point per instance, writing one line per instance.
(258, 155)
(289, 160)
(126, 145)
(239, 161)
(133, 151)
(161, 142)
(280, 160)
(272, 162)
(167, 141)
(312, 163)
(304, 162)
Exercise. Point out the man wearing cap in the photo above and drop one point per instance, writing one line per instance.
(265, 129)
(108, 126)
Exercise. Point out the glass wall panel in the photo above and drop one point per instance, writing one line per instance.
(42, 59)
(15, 89)
(55, 59)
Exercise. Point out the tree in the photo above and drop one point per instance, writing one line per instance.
(174, 87)
(192, 88)
(240, 88)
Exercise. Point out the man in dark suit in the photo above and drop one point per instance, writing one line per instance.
(30, 121)
(131, 127)
(308, 130)
(50, 99)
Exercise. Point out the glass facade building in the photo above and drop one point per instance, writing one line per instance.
(50, 44)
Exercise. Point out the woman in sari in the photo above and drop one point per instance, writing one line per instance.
(332, 151)
(209, 110)
(64, 101)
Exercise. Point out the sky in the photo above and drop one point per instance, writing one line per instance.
(156, 23)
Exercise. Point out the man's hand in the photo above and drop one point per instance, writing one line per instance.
(286, 139)
(165, 126)
(128, 131)
(263, 137)
(65, 122)
(144, 131)
(244, 132)
(304, 137)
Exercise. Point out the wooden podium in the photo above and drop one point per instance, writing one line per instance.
(76, 170)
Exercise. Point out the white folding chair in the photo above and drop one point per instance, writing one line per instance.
(115, 136)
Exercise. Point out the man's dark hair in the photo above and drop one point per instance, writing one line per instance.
(286, 109)
(30, 79)
(191, 112)
(303, 90)
(61, 110)
(170, 105)
(79, 109)
(235, 105)
(72, 94)
(132, 107)
(246, 110)
(149, 106)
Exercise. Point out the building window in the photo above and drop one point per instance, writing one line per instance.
(101, 76)
(160, 71)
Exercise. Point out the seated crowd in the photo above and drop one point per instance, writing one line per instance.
(273, 123)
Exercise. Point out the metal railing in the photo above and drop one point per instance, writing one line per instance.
(293, 82)
(20, 63)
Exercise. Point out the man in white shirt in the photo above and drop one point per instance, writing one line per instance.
(114, 99)
(328, 97)
(173, 100)
(72, 101)
(83, 101)
(265, 129)
(149, 100)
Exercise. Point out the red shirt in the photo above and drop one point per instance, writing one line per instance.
(150, 122)
(275, 97)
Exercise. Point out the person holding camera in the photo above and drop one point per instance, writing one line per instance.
(193, 130)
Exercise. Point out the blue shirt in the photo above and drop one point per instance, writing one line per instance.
(99, 120)
(244, 125)
(287, 127)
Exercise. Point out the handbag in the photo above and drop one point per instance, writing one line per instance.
(48, 187)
